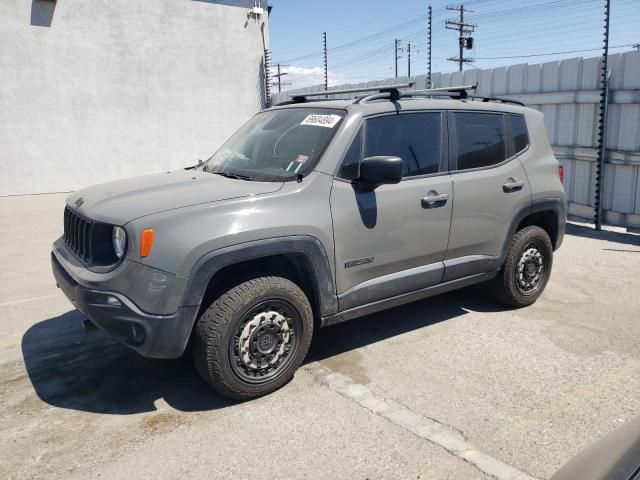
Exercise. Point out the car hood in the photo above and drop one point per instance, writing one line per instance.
(122, 201)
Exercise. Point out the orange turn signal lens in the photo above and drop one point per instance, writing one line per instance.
(147, 236)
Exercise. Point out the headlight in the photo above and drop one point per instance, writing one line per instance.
(119, 240)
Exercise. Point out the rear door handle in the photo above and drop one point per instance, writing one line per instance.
(510, 187)
(434, 201)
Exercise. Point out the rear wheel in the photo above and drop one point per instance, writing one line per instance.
(252, 339)
(526, 269)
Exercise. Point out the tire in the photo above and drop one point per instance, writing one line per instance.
(526, 269)
(252, 338)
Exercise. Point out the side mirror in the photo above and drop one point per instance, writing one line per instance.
(376, 171)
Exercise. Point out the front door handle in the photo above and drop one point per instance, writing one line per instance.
(435, 200)
(514, 186)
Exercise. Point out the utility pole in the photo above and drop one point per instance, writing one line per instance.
(602, 120)
(465, 30)
(429, 51)
(399, 44)
(396, 50)
(279, 76)
(636, 46)
(326, 73)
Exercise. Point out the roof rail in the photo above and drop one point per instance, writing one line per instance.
(299, 100)
(426, 93)
(302, 98)
(499, 99)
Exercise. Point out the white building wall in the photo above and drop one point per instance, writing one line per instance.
(94, 90)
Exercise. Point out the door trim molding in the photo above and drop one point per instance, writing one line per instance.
(405, 298)
(469, 265)
(390, 285)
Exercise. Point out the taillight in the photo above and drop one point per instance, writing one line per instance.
(561, 173)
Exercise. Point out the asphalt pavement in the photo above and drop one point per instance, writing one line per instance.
(453, 387)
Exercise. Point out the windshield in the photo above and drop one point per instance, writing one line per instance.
(277, 145)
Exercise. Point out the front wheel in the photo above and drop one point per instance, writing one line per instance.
(526, 269)
(252, 339)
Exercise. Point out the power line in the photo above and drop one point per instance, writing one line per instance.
(557, 26)
(350, 33)
(334, 49)
(553, 53)
(360, 40)
(387, 31)
(352, 55)
(494, 15)
(378, 51)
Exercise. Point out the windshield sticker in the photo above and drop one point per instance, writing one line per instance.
(299, 161)
(318, 120)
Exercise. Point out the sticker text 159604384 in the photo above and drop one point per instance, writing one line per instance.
(319, 120)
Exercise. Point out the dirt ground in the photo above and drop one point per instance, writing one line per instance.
(526, 388)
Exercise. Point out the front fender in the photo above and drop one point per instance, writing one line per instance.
(309, 247)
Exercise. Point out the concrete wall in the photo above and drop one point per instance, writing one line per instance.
(567, 93)
(95, 90)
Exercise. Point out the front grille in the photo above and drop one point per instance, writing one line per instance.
(78, 232)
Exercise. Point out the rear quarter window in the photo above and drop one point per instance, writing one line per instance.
(480, 139)
(519, 134)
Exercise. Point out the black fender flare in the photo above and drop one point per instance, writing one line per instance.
(319, 271)
(555, 204)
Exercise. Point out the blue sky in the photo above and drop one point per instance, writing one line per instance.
(361, 34)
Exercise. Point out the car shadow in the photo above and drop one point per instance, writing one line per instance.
(85, 370)
(386, 324)
(88, 371)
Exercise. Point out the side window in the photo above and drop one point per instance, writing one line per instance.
(519, 132)
(350, 169)
(414, 137)
(480, 139)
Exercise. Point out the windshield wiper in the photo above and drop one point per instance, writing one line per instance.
(194, 167)
(233, 175)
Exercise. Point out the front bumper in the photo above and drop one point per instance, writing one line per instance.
(156, 336)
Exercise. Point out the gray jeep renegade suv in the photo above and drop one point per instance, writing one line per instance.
(314, 213)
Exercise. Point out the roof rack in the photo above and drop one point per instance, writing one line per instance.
(456, 93)
(393, 93)
(453, 92)
(392, 90)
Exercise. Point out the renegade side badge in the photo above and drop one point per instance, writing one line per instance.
(359, 261)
